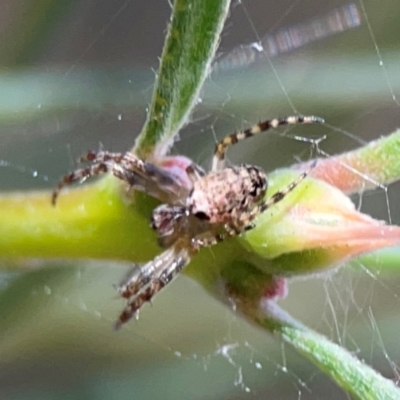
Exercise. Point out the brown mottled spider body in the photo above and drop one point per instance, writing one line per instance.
(222, 197)
(198, 210)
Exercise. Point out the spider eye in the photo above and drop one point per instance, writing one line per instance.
(202, 215)
(257, 188)
(258, 181)
(255, 192)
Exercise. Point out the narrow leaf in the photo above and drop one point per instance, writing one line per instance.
(192, 40)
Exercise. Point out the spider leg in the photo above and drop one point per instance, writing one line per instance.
(217, 237)
(134, 171)
(158, 273)
(140, 276)
(125, 166)
(230, 230)
(281, 194)
(200, 242)
(101, 163)
(220, 149)
(80, 174)
(101, 157)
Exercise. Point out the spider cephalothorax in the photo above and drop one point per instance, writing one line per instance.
(223, 197)
(198, 209)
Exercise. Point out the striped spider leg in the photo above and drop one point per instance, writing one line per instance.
(147, 280)
(208, 210)
(137, 173)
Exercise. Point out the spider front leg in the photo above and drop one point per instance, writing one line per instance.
(142, 286)
(121, 165)
(220, 149)
(137, 173)
(80, 175)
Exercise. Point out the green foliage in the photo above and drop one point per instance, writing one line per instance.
(101, 221)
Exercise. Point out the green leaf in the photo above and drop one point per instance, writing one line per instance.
(193, 37)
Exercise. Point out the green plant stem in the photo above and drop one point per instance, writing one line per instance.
(354, 376)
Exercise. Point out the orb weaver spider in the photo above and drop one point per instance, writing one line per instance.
(208, 210)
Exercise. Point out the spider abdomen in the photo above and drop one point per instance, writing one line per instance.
(224, 197)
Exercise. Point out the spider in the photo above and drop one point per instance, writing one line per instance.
(204, 210)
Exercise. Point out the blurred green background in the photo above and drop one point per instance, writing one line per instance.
(78, 75)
